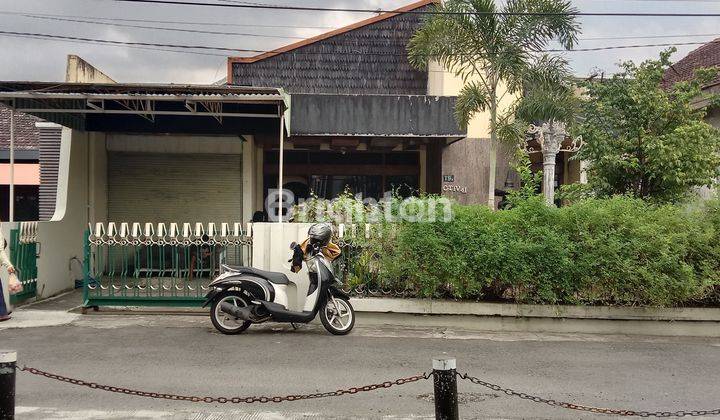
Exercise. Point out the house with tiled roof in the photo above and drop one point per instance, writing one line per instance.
(26, 165)
(147, 165)
(705, 56)
(363, 118)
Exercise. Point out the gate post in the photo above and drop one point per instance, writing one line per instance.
(8, 359)
(445, 388)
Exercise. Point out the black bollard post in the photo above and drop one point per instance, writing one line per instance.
(445, 384)
(8, 360)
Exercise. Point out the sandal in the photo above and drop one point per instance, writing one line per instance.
(5, 318)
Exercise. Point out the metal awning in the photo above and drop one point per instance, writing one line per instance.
(192, 109)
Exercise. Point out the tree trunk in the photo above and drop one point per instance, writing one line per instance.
(493, 153)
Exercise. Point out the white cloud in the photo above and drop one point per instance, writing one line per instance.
(33, 59)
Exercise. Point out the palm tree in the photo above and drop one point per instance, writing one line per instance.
(495, 52)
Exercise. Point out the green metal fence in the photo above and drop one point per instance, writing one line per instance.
(158, 265)
(23, 255)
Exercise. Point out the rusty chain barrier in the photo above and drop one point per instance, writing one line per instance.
(579, 407)
(224, 400)
(444, 377)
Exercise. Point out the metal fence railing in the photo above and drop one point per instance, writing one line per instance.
(23, 254)
(158, 264)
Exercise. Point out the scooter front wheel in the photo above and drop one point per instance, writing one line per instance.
(337, 316)
(226, 323)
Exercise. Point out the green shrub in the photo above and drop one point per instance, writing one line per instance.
(618, 251)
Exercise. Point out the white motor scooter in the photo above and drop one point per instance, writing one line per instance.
(242, 296)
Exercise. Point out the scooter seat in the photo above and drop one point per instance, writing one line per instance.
(271, 276)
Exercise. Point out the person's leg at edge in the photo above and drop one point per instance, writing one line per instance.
(4, 316)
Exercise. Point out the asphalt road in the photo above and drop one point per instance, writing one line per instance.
(184, 354)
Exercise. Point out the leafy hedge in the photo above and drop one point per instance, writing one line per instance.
(618, 251)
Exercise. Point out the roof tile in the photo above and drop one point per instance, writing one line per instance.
(707, 55)
(26, 134)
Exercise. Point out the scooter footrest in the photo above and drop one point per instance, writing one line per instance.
(281, 314)
(272, 306)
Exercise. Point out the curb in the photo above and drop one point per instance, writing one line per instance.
(445, 307)
(499, 317)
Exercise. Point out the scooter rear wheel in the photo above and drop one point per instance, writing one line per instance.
(338, 320)
(226, 323)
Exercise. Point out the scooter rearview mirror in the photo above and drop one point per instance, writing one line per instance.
(293, 245)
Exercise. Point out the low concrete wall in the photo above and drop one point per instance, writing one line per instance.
(444, 307)
(271, 250)
(699, 322)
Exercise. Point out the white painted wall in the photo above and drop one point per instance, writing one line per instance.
(98, 185)
(5, 228)
(271, 251)
(61, 239)
(248, 178)
(82, 195)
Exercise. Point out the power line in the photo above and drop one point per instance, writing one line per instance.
(142, 44)
(197, 31)
(114, 45)
(609, 38)
(100, 21)
(177, 22)
(420, 12)
(623, 47)
(206, 47)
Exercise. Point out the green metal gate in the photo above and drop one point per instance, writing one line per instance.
(158, 265)
(23, 255)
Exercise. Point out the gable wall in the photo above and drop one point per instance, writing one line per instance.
(368, 60)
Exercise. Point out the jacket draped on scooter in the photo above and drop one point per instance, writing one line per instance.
(331, 251)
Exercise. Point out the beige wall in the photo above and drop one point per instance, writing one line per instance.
(467, 159)
(80, 71)
(443, 83)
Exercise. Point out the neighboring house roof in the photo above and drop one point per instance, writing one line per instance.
(368, 57)
(707, 55)
(26, 134)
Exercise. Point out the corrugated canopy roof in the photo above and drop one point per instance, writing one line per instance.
(149, 107)
(39, 89)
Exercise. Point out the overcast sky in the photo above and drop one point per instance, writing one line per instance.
(36, 59)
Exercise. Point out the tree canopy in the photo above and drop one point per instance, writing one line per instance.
(646, 140)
